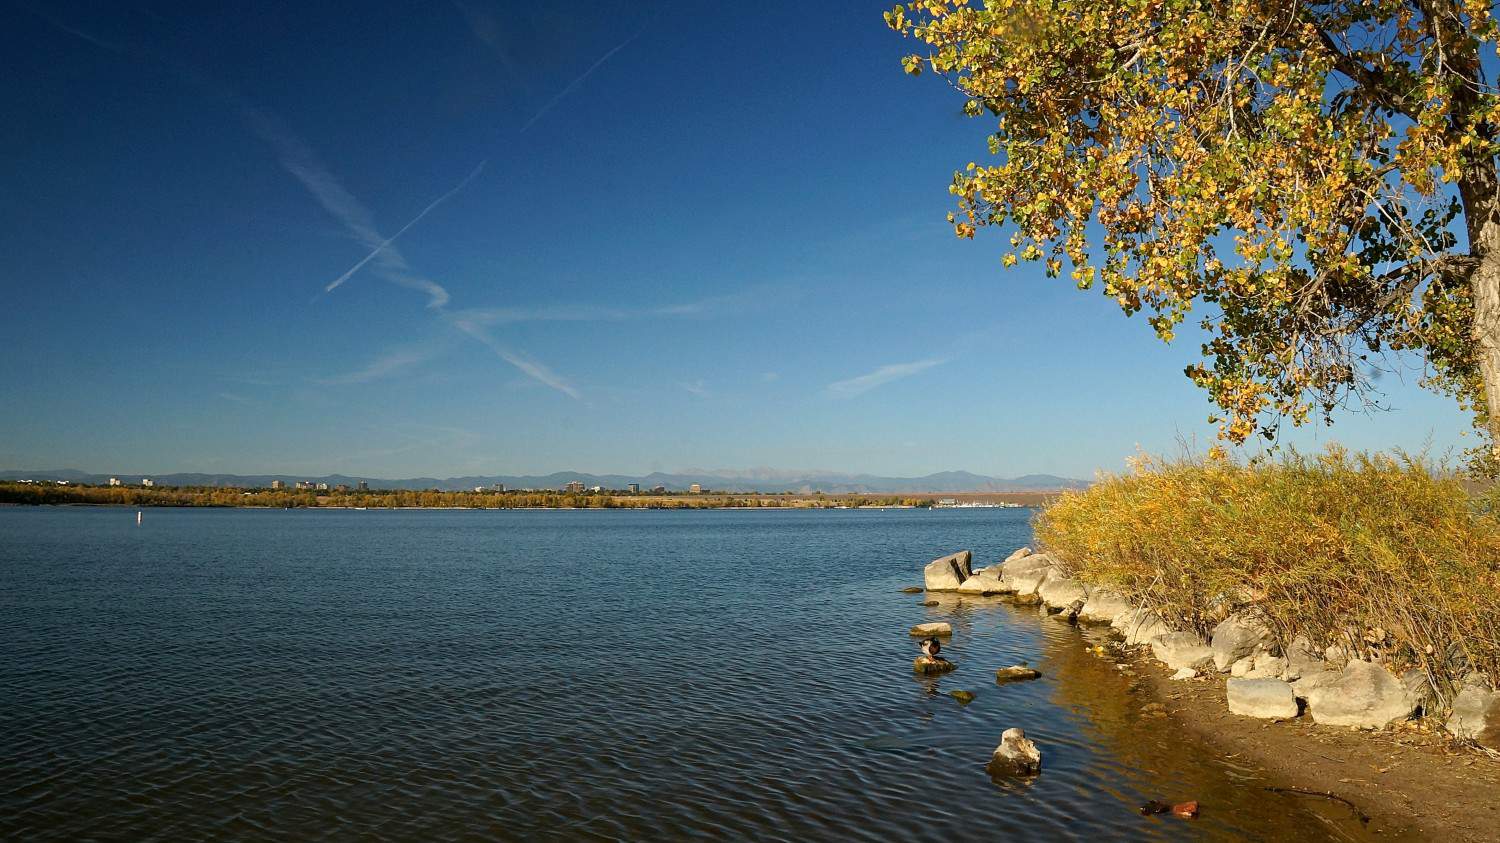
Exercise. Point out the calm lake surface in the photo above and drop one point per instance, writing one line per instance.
(435, 675)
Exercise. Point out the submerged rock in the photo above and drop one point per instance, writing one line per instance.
(963, 697)
(1015, 756)
(928, 629)
(1266, 698)
(1363, 694)
(1235, 638)
(949, 572)
(1016, 673)
(927, 665)
(912, 589)
(1476, 716)
(1179, 650)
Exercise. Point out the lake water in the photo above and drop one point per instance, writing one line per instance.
(560, 675)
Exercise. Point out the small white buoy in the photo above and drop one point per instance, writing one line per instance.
(138, 518)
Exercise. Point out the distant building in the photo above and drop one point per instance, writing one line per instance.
(322, 487)
(114, 481)
(278, 484)
(342, 487)
(596, 489)
(576, 487)
(633, 488)
(695, 489)
(363, 486)
(499, 487)
(304, 484)
(658, 490)
(146, 481)
(479, 488)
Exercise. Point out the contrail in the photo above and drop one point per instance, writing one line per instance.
(389, 240)
(579, 81)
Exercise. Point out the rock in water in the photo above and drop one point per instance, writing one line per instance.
(1017, 673)
(928, 665)
(949, 572)
(912, 589)
(984, 581)
(1015, 756)
(1179, 650)
(1059, 592)
(1363, 694)
(963, 697)
(1266, 698)
(927, 630)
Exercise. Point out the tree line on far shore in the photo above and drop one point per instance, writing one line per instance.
(51, 494)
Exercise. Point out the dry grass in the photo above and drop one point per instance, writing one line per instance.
(1382, 554)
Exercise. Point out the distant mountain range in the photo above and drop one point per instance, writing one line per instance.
(756, 480)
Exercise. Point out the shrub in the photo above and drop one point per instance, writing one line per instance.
(1381, 554)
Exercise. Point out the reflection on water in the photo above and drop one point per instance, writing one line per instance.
(559, 675)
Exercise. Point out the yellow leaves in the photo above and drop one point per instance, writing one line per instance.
(912, 65)
(1008, 259)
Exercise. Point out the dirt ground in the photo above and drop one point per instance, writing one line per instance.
(1410, 783)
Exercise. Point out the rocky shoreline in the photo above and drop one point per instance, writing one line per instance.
(1245, 677)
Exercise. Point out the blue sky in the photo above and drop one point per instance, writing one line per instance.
(627, 237)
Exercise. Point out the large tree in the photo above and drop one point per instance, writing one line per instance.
(1320, 178)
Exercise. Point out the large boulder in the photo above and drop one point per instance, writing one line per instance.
(1235, 638)
(949, 572)
(1267, 698)
(1260, 665)
(1029, 570)
(1059, 592)
(1019, 554)
(1476, 716)
(1139, 626)
(984, 581)
(1179, 650)
(1015, 756)
(1364, 694)
(1304, 685)
(1103, 606)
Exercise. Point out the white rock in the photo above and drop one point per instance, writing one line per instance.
(1303, 660)
(1020, 554)
(1268, 698)
(949, 572)
(1179, 650)
(1305, 685)
(1029, 582)
(984, 581)
(1235, 638)
(1242, 667)
(1139, 626)
(1015, 756)
(1103, 606)
(1185, 673)
(1267, 666)
(927, 630)
(1059, 591)
(1364, 694)
(1476, 715)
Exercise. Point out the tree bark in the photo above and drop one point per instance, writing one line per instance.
(1482, 210)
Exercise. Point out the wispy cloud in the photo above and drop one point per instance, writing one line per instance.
(703, 308)
(238, 399)
(381, 367)
(884, 375)
(332, 285)
(572, 86)
(528, 366)
(299, 160)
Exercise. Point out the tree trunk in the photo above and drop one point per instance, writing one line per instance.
(1482, 209)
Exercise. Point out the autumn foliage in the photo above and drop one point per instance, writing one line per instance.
(1316, 181)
